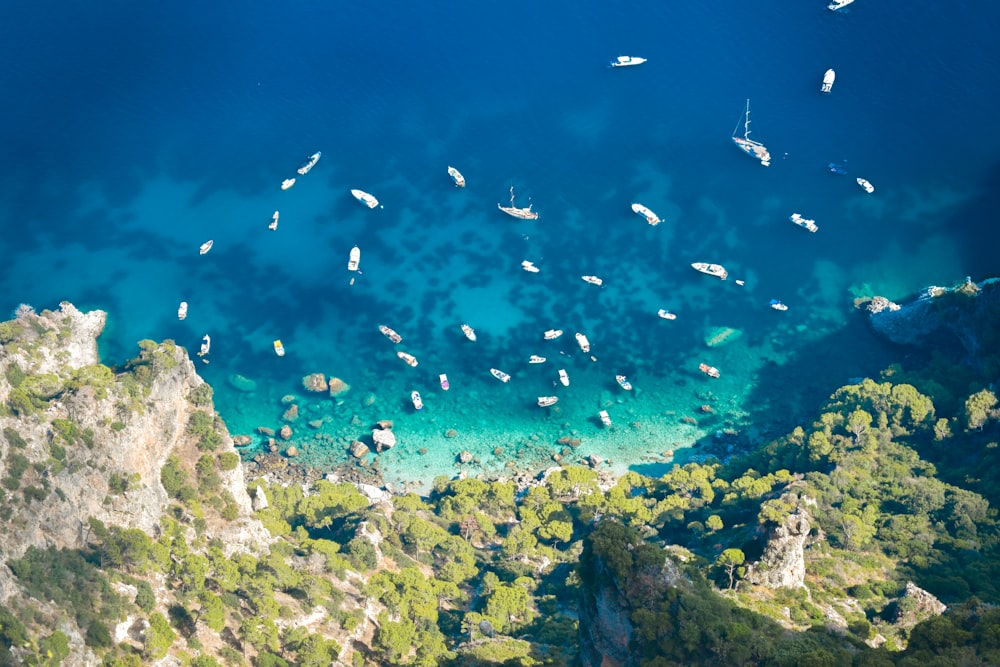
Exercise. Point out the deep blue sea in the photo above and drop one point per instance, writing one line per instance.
(134, 132)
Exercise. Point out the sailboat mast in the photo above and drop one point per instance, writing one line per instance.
(746, 123)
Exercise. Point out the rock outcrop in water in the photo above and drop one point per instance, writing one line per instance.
(966, 316)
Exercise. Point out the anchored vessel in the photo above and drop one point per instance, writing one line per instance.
(469, 332)
(627, 61)
(443, 379)
(287, 183)
(666, 314)
(716, 270)
(804, 223)
(828, 80)
(593, 280)
(309, 163)
(605, 417)
(456, 176)
(546, 401)
(535, 359)
(552, 334)
(418, 403)
(273, 225)
(500, 375)
(838, 4)
(279, 348)
(563, 377)
(182, 310)
(866, 185)
(354, 259)
(777, 305)
(529, 266)
(408, 358)
(206, 346)
(390, 334)
(746, 144)
(582, 341)
(522, 213)
(710, 371)
(365, 198)
(623, 382)
(650, 217)
(205, 247)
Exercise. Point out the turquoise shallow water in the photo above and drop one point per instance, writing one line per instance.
(181, 124)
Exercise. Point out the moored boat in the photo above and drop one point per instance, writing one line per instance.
(354, 259)
(365, 198)
(666, 314)
(710, 371)
(206, 246)
(206, 346)
(469, 332)
(456, 176)
(287, 183)
(552, 334)
(838, 4)
(500, 375)
(535, 359)
(408, 358)
(563, 377)
(866, 185)
(777, 305)
(546, 401)
(522, 213)
(182, 310)
(529, 266)
(418, 403)
(593, 280)
(279, 348)
(828, 80)
(804, 223)
(605, 417)
(716, 270)
(752, 148)
(310, 162)
(582, 341)
(650, 217)
(390, 334)
(627, 61)
(443, 379)
(623, 382)
(273, 225)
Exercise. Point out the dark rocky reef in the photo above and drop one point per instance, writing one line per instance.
(966, 316)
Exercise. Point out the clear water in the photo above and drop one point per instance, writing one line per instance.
(133, 134)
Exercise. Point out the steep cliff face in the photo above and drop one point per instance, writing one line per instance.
(783, 563)
(79, 441)
(967, 316)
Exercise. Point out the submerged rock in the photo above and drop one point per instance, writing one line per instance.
(315, 382)
(721, 335)
(241, 383)
(338, 387)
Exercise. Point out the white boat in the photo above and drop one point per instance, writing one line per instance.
(529, 266)
(443, 379)
(666, 314)
(409, 359)
(716, 270)
(838, 4)
(605, 417)
(828, 80)
(279, 348)
(390, 334)
(500, 375)
(866, 185)
(274, 221)
(552, 334)
(563, 377)
(752, 148)
(740, 283)
(546, 401)
(535, 359)
(593, 280)
(650, 217)
(365, 198)
(627, 61)
(206, 346)
(777, 305)
(309, 163)
(522, 213)
(456, 176)
(469, 332)
(287, 183)
(623, 382)
(354, 259)
(418, 403)
(205, 247)
(182, 310)
(710, 371)
(804, 223)
(582, 341)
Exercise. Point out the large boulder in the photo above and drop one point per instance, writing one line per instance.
(384, 439)
(315, 382)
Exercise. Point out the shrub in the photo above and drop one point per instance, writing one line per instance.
(229, 461)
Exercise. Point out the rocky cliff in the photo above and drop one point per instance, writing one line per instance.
(81, 441)
(783, 564)
(965, 317)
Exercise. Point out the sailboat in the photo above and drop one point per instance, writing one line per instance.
(522, 213)
(748, 145)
